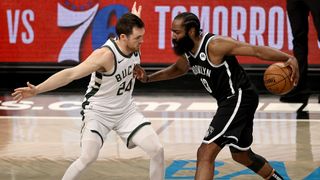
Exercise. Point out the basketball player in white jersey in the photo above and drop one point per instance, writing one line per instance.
(108, 103)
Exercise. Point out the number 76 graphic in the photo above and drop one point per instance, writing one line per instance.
(101, 30)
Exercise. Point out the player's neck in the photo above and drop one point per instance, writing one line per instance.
(197, 41)
(123, 47)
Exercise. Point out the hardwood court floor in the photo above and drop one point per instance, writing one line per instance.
(39, 138)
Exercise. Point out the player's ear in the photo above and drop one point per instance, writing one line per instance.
(123, 36)
(191, 32)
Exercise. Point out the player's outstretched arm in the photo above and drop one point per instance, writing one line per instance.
(269, 54)
(95, 62)
(55, 81)
(227, 46)
(175, 70)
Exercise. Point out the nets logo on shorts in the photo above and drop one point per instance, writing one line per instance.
(209, 131)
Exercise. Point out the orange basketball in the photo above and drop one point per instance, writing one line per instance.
(277, 79)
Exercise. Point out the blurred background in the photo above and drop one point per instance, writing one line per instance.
(39, 38)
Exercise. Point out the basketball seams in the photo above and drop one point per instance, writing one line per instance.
(281, 68)
(285, 83)
(279, 85)
(278, 82)
(287, 76)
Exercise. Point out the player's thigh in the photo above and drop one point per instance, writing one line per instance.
(93, 129)
(143, 133)
(130, 125)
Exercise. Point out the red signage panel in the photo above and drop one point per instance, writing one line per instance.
(69, 30)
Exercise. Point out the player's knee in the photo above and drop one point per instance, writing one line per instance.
(158, 150)
(200, 152)
(88, 158)
(206, 152)
(257, 162)
(154, 147)
(239, 158)
(248, 158)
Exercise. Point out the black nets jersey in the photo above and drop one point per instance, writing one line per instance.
(221, 81)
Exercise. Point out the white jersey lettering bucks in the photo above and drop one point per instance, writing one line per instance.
(111, 92)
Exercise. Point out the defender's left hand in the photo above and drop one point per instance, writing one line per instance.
(136, 11)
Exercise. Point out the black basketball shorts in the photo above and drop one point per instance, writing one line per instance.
(233, 122)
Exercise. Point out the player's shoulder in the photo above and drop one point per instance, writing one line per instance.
(220, 42)
(220, 39)
(215, 41)
(103, 51)
(102, 56)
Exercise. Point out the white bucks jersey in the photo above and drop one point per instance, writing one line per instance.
(111, 92)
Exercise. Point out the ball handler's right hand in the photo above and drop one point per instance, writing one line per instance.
(293, 64)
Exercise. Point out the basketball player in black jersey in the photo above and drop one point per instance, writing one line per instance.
(212, 59)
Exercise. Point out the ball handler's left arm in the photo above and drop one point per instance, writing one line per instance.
(179, 68)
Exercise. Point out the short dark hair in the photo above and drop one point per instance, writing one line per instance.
(190, 20)
(126, 24)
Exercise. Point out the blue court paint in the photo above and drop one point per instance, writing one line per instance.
(315, 175)
(180, 165)
(278, 166)
(172, 171)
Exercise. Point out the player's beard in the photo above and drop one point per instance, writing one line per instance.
(183, 45)
(134, 48)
